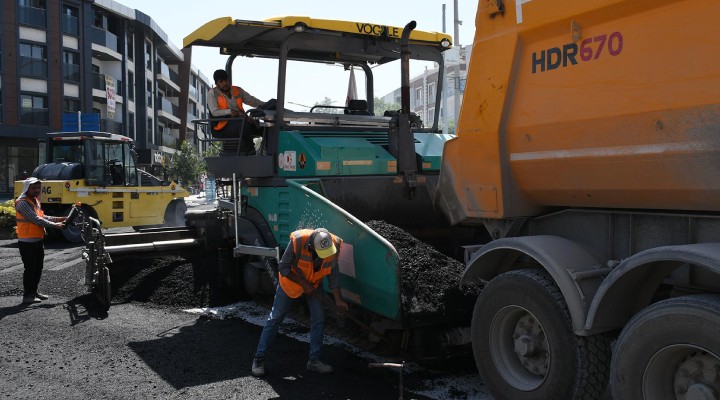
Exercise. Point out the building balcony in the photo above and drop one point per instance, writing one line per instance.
(167, 79)
(34, 116)
(100, 88)
(70, 24)
(71, 72)
(166, 139)
(112, 127)
(167, 106)
(169, 112)
(32, 16)
(190, 119)
(104, 45)
(34, 67)
(193, 92)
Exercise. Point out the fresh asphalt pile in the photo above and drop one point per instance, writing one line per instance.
(183, 280)
(429, 280)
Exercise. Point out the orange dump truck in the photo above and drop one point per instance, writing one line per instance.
(588, 155)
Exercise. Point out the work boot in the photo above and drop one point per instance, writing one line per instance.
(258, 367)
(41, 296)
(318, 366)
(30, 299)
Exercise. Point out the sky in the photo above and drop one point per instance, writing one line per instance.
(178, 18)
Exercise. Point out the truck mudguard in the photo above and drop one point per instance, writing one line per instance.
(577, 273)
(631, 285)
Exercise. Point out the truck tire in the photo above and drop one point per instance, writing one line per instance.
(669, 350)
(175, 213)
(524, 344)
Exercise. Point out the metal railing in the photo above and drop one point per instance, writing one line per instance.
(165, 70)
(70, 24)
(98, 82)
(112, 127)
(166, 139)
(34, 116)
(32, 16)
(104, 38)
(71, 72)
(169, 107)
(33, 67)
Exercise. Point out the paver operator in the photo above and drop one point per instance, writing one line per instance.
(226, 101)
(311, 255)
(31, 224)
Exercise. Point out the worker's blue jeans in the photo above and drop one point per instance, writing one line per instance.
(281, 306)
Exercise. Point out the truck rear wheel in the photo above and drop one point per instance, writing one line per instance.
(524, 344)
(670, 350)
(175, 213)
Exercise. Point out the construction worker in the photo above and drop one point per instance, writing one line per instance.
(310, 256)
(31, 224)
(225, 101)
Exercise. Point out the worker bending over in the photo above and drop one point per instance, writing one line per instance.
(310, 256)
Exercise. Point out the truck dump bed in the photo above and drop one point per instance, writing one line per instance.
(612, 104)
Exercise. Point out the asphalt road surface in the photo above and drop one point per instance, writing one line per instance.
(66, 348)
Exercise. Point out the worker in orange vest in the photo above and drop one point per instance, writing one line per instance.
(311, 255)
(31, 224)
(227, 101)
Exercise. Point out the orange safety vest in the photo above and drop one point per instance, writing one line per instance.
(223, 105)
(25, 228)
(304, 260)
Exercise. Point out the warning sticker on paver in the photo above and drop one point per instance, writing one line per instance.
(286, 161)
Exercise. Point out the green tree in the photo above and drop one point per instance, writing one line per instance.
(213, 150)
(186, 165)
(381, 106)
(327, 102)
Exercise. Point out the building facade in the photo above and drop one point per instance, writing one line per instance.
(92, 56)
(423, 90)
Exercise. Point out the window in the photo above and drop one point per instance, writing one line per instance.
(430, 116)
(149, 127)
(431, 92)
(148, 55)
(32, 12)
(19, 162)
(71, 105)
(33, 109)
(131, 86)
(71, 66)
(131, 125)
(101, 21)
(33, 60)
(94, 163)
(148, 92)
(130, 46)
(418, 96)
(70, 19)
(68, 150)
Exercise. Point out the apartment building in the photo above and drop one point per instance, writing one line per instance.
(423, 90)
(92, 56)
